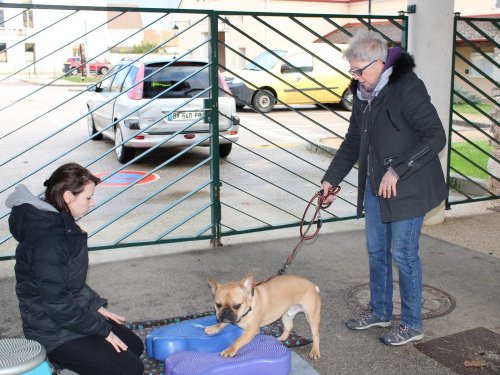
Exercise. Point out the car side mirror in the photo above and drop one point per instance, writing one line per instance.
(94, 87)
(285, 68)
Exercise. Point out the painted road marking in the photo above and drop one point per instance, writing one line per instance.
(126, 178)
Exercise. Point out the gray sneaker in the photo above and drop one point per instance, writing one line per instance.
(401, 335)
(366, 319)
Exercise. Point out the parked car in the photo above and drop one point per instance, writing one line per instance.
(268, 78)
(95, 67)
(156, 97)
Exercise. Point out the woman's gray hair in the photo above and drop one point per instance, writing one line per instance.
(367, 46)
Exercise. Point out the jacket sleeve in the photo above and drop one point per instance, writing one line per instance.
(422, 117)
(50, 264)
(347, 154)
(96, 301)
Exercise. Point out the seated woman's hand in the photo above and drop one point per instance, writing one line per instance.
(118, 344)
(111, 316)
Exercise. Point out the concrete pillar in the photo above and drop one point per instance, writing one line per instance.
(493, 166)
(430, 41)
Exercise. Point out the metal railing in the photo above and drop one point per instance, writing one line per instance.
(271, 172)
(474, 120)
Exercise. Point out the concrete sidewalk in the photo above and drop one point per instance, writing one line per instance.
(172, 281)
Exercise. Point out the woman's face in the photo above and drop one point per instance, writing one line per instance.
(367, 72)
(81, 203)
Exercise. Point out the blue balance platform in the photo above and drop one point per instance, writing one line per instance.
(189, 335)
(264, 355)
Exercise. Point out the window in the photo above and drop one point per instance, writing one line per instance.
(3, 52)
(130, 79)
(120, 76)
(28, 16)
(482, 63)
(163, 78)
(29, 52)
(302, 61)
(241, 60)
(105, 84)
(2, 18)
(266, 59)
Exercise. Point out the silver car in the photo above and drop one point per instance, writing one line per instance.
(159, 102)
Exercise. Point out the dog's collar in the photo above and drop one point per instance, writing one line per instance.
(249, 309)
(245, 314)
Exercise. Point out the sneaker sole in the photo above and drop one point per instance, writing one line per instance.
(380, 324)
(414, 338)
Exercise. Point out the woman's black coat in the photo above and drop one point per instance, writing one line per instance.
(401, 129)
(51, 268)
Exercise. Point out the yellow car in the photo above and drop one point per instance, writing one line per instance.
(316, 75)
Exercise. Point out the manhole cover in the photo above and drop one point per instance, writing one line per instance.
(435, 302)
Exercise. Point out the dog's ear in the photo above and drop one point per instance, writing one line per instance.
(214, 285)
(247, 284)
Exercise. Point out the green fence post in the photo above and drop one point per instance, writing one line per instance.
(404, 32)
(214, 131)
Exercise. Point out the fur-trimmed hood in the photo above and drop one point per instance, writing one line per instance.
(404, 65)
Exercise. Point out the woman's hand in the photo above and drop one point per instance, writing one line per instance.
(325, 186)
(118, 344)
(387, 188)
(111, 316)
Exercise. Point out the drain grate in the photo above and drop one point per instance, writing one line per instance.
(472, 352)
(436, 302)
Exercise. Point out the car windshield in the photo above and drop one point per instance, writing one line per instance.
(266, 59)
(164, 77)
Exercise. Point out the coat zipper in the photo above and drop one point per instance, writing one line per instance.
(418, 155)
(370, 162)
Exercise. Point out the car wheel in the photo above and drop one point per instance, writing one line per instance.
(225, 149)
(103, 70)
(74, 72)
(263, 101)
(123, 153)
(346, 101)
(91, 128)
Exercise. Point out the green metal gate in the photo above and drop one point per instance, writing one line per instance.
(192, 193)
(474, 166)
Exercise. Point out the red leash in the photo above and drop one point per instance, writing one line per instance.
(320, 205)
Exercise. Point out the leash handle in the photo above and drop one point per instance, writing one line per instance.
(320, 205)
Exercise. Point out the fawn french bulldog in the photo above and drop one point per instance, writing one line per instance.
(249, 307)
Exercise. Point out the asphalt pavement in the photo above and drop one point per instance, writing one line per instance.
(171, 280)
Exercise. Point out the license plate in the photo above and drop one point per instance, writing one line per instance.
(185, 116)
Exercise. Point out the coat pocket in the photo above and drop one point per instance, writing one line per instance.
(409, 188)
(389, 159)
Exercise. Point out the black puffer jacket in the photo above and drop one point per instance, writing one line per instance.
(401, 129)
(51, 268)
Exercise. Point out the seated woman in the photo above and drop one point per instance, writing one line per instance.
(58, 308)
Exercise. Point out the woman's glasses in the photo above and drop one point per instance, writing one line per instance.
(359, 72)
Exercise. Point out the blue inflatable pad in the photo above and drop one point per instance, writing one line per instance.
(189, 335)
(264, 355)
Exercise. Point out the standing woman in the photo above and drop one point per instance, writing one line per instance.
(395, 135)
(58, 309)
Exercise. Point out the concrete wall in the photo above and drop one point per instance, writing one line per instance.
(432, 58)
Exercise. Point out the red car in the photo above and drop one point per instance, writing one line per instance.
(95, 66)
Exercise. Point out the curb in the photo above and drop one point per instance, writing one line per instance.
(327, 146)
(56, 84)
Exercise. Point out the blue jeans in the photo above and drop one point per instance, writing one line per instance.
(398, 240)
